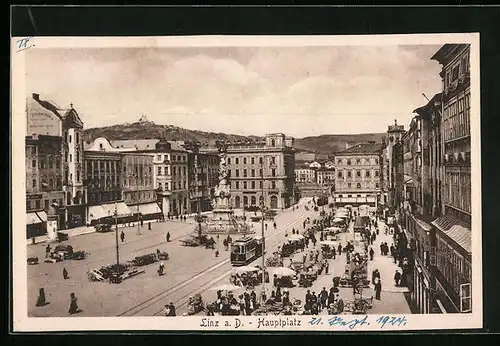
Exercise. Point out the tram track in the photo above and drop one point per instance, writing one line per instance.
(136, 309)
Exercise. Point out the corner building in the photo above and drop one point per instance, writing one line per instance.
(263, 170)
(358, 175)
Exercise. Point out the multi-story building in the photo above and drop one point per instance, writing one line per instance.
(203, 169)
(305, 174)
(358, 175)
(43, 182)
(138, 190)
(46, 118)
(453, 227)
(268, 165)
(394, 134)
(104, 185)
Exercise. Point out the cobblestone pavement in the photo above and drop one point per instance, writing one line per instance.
(188, 269)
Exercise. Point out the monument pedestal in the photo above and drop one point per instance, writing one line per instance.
(224, 221)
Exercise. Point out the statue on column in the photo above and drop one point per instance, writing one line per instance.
(222, 191)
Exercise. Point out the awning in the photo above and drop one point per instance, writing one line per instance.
(97, 212)
(123, 209)
(456, 229)
(422, 224)
(42, 215)
(149, 208)
(32, 219)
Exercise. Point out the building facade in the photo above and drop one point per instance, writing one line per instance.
(45, 118)
(453, 227)
(43, 182)
(103, 179)
(267, 166)
(358, 175)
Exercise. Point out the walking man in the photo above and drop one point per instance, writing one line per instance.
(65, 273)
(168, 237)
(378, 287)
(122, 236)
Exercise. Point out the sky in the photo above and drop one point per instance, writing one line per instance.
(299, 91)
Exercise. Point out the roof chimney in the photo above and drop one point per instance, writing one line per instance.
(36, 96)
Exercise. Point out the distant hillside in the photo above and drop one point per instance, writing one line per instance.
(327, 144)
(324, 144)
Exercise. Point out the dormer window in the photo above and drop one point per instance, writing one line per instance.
(273, 142)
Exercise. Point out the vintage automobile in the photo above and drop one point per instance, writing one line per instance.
(144, 260)
(103, 227)
(32, 260)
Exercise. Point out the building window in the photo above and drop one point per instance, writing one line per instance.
(273, 185)
(349, 174)
(245, 173)
(237, 184)
(376, 161)
(237, 171)
(261, 160)
(367, 174)
(158, 170)
(37, 204)
(70, 158)
(34, 183)
(245, 185)
(273, 142)
(358, 196)
(376, 185)
(348, 185)
(349, 195)
(260, 184)
(340, 174)
(33, 163)
(253, 185)
(252, 160)
(348, 162)
(273, 160)
(237, 161)
(339, 162)
(46, 202)
(261, 172)
(358, 185)
(77, 176)
(244, 160)
(228, 160)
(358, 174)
(358, 161)
(376, 173)
(273, 172)
(253, 172)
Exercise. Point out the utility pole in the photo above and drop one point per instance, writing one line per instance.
(117, 246)
(196, 189)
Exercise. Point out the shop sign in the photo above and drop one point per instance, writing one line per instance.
(37, 196)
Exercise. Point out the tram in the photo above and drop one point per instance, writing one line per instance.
(245, 250)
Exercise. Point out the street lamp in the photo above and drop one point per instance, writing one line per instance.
(117, 246)
(262, 204)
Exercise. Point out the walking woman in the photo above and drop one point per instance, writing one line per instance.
(41, 298)
(73, 306)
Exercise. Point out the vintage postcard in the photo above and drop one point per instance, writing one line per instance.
(251, 183)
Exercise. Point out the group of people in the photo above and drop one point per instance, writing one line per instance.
(314, 304)
(73, 305)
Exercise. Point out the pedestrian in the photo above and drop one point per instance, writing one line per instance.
(378, 287)
(334, 253)
(168, 237)
(65, 273)
(73, 306)
(41, 298)
(397, 278)
(340, 249)
(323, 297)
(382, 249)
(149, 226)
(371, 253)
(47, 251)
(122, 236)
(216, 253)
(375, 274)
(171, 309)
(265, 225)
(161, 269)
(327, 267)
(274, 225)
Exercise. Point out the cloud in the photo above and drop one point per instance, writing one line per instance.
(299, 91)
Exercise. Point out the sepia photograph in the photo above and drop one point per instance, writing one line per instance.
(246, 183)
